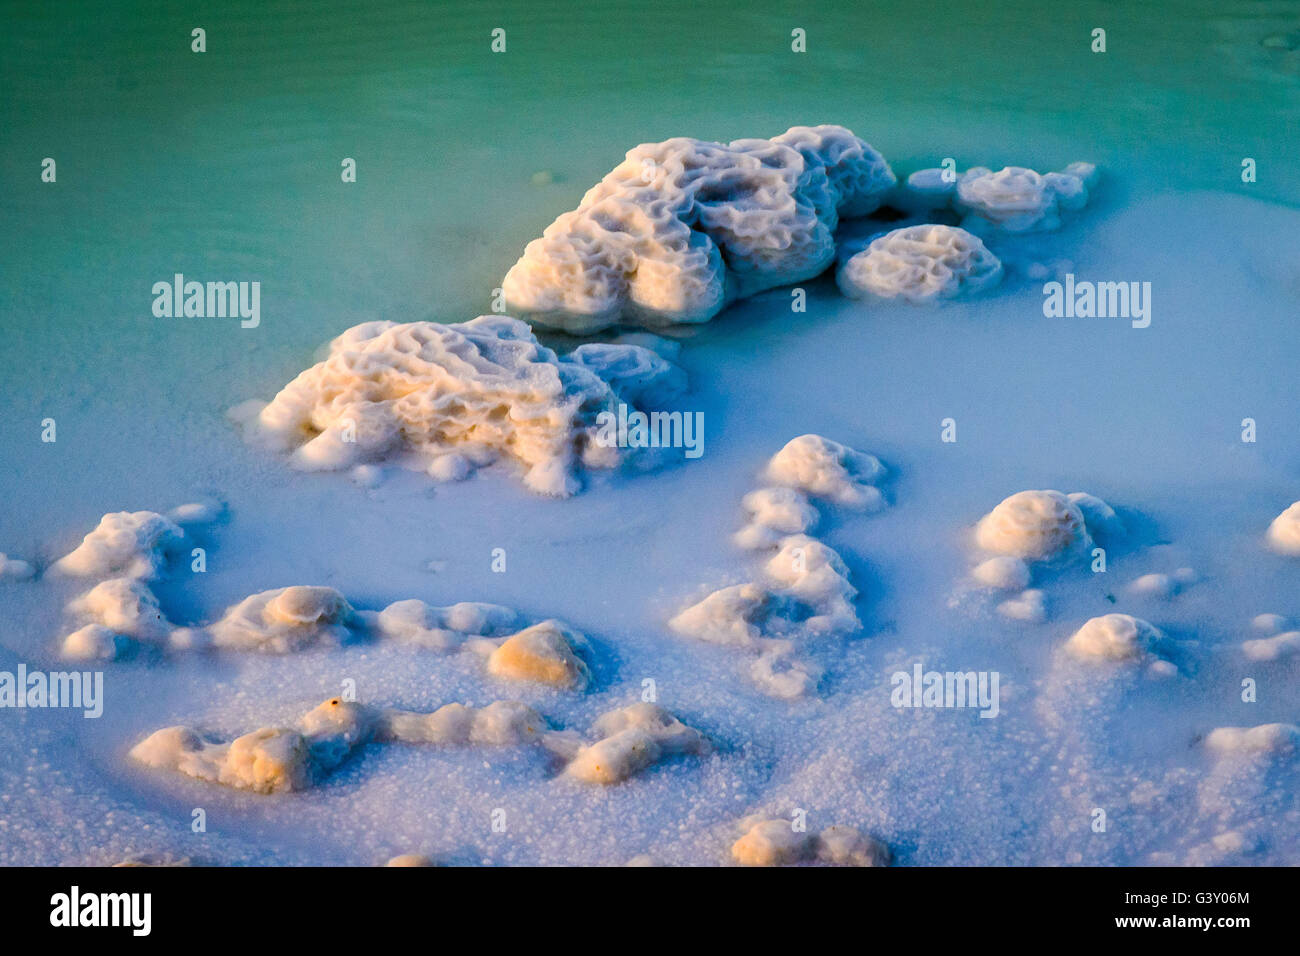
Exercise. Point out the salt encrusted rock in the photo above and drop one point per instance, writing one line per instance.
(776, 842)
(14, 569)
(681, 228)
(1118, 637)
(1277, 647)
(449, 398)
(1034, 525)
(774, 513)
(1284, 532)
(632, 739)
(1266, 739)
(920, 264)
(823, 468)
(1004, 573)
(279, 759)
(284, 620)
(543, 654)
(124, 543)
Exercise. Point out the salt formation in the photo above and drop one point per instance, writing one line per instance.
(1003, 573)
(13, 568)
(1030, 606)
(443, 628)
(920, 264)
(410, 859)
(1033, 525)
(280, 759)
(776, 842)
(1012, 200)
(1122, 638)
(1277, 647)
(284, 620)
(681, 228)
(632, 739)
(823, 468)
(543, 654)
(1266, 739)
(1284, 532)
(1163, 586)
(126, 606)
(450, 398)
(129, 543)
(803, 591)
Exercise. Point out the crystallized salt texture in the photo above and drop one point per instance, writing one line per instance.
(450, 398)
(127, 543)
(1033, 525)
(824, 468)
(681, 228)
(1284, 532)
(920, 264)
(1017, 199)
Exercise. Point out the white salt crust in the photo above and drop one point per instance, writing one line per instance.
(920, 264)
(1034, 526)
(447, 399)
(1013, 199)
(127, 543)
(681, 228)
(15, 569)
(1284, 532)
(1267, 740)
(1120, 638)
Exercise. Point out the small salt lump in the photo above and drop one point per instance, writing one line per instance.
(823, 468)
(921, 264)
(1117, 637)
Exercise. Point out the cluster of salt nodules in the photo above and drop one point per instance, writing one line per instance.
(920, 264)
(681, 228)
(447, 399)
(777, 842)
(1284, 531)
(1123, 639)
(803, 590)
(282, 759)
(1013, 199)
(126, 549)
(1038, 527)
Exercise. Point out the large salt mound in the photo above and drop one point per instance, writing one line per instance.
(1033, 525)
(449, 398)
(127, 543)
(1284, 532)
(681, 228)
(278, 759)
(920, 264)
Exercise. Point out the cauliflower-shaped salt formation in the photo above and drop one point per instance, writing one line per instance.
(1284, 532)
(284, 620)
(920, 264)
(632, 739)
(823, 468)
(1118, 637)
(15, 569)
(449, 398)
(1034, 525)
(681, 228)
(776, 842)
(126, 543)
(1266, 739)
(279, 759)
(542, 654)
(1016, 199)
